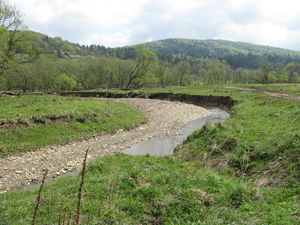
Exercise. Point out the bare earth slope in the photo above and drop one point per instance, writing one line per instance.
(164, 118)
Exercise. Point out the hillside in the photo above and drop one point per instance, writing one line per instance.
(64, 48)
(237, 54)
(51, 61)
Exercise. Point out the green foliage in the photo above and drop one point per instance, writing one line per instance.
(145, 59)
(237, 54)
(132, 67)
(215, 75)
(64, 82)
(14, 49)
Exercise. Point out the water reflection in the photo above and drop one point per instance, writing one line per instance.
(165, 146)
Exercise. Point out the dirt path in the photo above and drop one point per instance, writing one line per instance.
(270, 93)
(164, 118)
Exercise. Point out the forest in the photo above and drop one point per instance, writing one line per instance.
(31, 61)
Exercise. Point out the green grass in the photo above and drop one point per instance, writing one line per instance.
(242, 171)
(124, 189)
(73, 118)
(260, 143)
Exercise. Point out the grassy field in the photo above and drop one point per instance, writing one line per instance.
(282, 88)
(243, 171)
(30, 122)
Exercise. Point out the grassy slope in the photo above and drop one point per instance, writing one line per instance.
(261, 141)
(80, 118)
(123, 189)
(260, 138)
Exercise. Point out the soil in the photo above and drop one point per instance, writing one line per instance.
(164, 118)
(270, 93)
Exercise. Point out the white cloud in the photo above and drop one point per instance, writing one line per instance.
(124, 22)
(108, 39)
(103, 13)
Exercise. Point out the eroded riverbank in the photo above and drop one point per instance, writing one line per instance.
(165, 118)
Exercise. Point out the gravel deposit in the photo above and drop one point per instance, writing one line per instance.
(164, 118)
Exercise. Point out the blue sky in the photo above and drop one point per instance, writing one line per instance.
(116, 23)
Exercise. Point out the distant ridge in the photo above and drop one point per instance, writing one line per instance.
(231, 51)
(215, 47)
(236, 54)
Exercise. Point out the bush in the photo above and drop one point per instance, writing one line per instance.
(64, 82)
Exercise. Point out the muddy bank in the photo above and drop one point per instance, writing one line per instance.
(200, 100)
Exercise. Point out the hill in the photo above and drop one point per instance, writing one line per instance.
(237, 54)
(63, 48)
(50, 60)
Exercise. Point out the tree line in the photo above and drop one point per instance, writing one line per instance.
(31, 61)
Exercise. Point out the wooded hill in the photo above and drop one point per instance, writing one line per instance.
(237, 54)
(61, 65)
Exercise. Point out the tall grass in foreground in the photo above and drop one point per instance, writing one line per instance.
(61, 217)
(122, 189)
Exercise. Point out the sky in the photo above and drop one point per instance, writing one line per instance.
(116, 23)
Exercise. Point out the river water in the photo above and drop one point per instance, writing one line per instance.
(165, 146)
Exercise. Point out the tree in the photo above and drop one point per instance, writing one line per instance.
(266, 68)
(215, 75)
(182, 69)
(64, 82)
(294, 70)
(144, 61)
(14, 49)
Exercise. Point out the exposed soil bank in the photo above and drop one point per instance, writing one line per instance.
(165, 118)
(200, 100)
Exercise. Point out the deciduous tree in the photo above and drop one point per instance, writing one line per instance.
(144, 61)
(14, 49)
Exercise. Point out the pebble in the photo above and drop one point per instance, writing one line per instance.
(164, 118)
